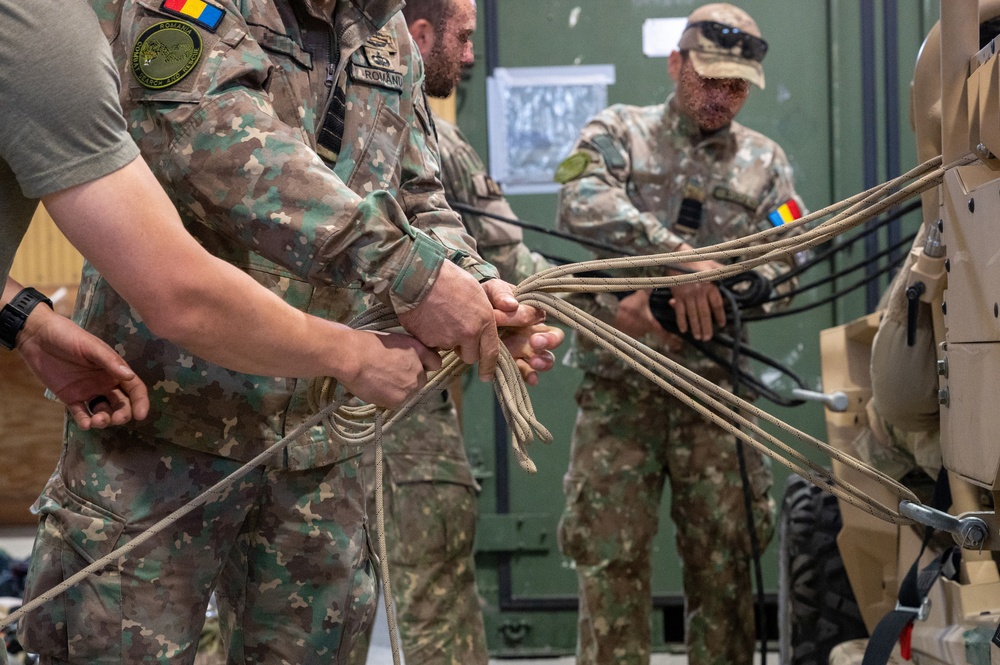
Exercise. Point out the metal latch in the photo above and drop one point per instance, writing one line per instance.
(922, 612)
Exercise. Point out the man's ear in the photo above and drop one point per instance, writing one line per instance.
(422, 32)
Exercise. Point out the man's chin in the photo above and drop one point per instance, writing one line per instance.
(713, 122)
(439, 89)
(439, 81)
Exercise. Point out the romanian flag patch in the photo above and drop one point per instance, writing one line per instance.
(206, 15)
(786, 212)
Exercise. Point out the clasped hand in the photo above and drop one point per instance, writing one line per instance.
(461, 314)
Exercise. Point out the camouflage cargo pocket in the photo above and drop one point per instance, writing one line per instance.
(362, 600)
(84, 624)
(575, 533)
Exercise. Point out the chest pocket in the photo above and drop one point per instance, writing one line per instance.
(378, 164)
(290, 81)
(652, 190)
(724, 220)
(374, 133)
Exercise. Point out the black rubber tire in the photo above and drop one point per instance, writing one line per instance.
(816, 607)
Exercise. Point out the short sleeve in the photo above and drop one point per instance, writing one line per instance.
(62, 119)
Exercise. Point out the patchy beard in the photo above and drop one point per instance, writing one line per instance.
(712, 117)
(440, 75)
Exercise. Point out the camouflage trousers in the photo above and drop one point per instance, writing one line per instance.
(430, 528)
(627, 442)
(285, 552)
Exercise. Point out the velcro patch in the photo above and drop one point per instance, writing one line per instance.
(689, 214)
(606, 146)
(378, 58)
(745, 200)
(379, 77)
(380, 50)
(384, 40)
(486, 187)
(694, 192)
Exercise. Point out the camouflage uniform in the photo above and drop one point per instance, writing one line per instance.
(625, 184)
(467, 181)
(429, 490)
(430, 518)
(308, 205)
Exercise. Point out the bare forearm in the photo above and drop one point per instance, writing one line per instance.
(10, 290)
(258, 333)
(127, 228)
(255, 331)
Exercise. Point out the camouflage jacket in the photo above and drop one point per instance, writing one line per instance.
(466, 181)
(428, 446)
(624, 184)
(236, 142)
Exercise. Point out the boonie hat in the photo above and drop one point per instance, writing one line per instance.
(723, 41)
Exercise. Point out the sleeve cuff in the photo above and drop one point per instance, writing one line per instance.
(481, 271)
(418, 273)
(665, 241)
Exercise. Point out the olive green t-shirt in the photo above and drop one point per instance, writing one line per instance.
(62, 122)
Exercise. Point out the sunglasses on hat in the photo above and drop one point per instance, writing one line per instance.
(726, 36)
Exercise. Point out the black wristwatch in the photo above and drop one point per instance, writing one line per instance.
(15, 313)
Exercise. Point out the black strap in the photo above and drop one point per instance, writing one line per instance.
(430, 116)
(331, 134)
(885, 636)
(914, 588)
(909, 590)
(15, 313)
(321, 42)
(889, 629)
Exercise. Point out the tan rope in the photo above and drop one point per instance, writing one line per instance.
(365, 424)
(390, 610)
(215, 491)
(717, 405)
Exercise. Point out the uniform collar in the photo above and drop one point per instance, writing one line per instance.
(372, 15)
(682, 124)
(353, 21)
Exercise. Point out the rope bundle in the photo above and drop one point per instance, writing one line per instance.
(365, 424)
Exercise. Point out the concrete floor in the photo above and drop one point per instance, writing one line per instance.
(380, 652)
(656, 659)
(17, 540)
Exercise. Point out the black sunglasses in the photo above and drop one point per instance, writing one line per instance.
(726, 36)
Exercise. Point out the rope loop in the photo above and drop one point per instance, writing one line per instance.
(354, 423)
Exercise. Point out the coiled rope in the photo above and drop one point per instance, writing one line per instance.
(365, 424)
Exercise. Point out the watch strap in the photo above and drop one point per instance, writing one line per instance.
(15, 313)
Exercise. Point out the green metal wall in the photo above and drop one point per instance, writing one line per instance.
(813, 106)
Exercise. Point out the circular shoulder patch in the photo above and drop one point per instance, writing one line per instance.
(165, 53)
(572, 167)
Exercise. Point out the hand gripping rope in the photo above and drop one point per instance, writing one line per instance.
(365, 424)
